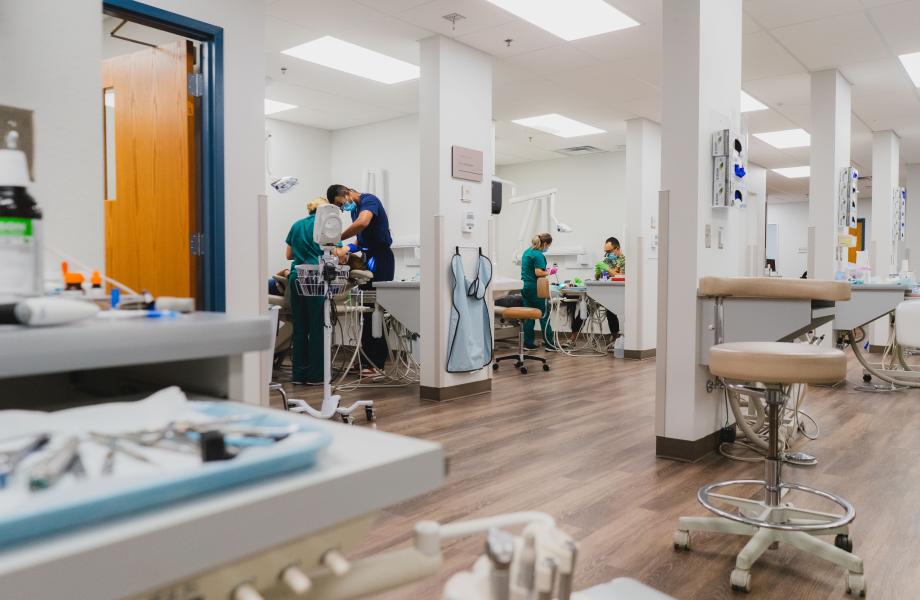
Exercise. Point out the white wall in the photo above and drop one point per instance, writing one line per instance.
(52, 57)
(391, 148)
(791, 220)
(301, 151)
(591, 199)
(51, 64)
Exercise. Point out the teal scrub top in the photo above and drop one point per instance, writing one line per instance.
(530, 260)
(300, 239)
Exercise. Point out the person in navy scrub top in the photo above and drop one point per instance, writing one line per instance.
(371, 226)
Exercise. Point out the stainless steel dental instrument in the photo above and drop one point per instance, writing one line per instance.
(10, 460)
(50, 470)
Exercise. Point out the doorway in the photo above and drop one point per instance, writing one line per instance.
(162, 100)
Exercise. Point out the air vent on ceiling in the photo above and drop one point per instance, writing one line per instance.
(580, 150)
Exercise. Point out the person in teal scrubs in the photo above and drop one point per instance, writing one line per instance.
(533, 266)
(307, 311)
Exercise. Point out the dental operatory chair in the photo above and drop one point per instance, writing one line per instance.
(767, 370)
(285, 330)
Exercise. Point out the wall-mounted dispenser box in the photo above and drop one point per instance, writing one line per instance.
(729, 166)
(847, 201)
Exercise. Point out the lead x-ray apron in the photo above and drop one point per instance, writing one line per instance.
(469, 342)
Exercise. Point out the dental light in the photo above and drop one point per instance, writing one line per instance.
(282, 185)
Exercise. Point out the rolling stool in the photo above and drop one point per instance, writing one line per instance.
(520, 314)
(774, 366)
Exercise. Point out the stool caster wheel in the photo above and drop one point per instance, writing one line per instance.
(844, 542)
(741, 580)
(369, 413)
(681, 540)
(518, 365)
(867, 378)
(524, 370)
(856, 584)
(495, 366)
(546, 367)
(348, 419)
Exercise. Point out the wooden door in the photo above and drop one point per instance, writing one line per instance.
(150, 219)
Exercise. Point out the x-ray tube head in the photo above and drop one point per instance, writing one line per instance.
(284, 184)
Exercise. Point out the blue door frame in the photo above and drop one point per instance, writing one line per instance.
(211, 157)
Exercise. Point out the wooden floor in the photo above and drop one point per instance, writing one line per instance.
(578, 443)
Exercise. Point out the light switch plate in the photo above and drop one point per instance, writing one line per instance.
(466, 193)
(708, 235)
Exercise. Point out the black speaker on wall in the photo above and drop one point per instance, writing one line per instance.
(496, 197)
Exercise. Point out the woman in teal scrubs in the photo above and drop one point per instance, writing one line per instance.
(307, 311)
(533, 266)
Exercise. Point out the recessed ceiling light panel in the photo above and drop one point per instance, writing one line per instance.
(750, 103)
(794, 172)
(355, 60)
(558, 125)
(787, 138)
(273, 106)
(569, 19)
(911, 64)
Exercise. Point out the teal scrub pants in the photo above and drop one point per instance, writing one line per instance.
(531, 300)
(307, 315)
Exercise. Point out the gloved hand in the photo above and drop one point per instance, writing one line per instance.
(353, 247)
(553, 270)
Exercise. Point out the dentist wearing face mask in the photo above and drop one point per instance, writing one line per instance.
(372, 227)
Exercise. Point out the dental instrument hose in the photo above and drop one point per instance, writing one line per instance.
(854, 344)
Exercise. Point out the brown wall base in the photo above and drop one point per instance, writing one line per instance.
(685, 450)
(455, 391)
(876, 349)
(639, 354)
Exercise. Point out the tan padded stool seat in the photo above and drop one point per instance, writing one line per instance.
(777, 362)
(522, 313)
(774, 287)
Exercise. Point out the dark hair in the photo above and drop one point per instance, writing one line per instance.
(613, 242)
(335, 191)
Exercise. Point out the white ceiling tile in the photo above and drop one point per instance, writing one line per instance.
(779, 91)
(524, 38)
(766, 120)
(551, 60)
(648, 107)
(608, 82)
(281, 34)
(506, 73)
(778, 13)
(910, 150)
(391, 7)
(625, 43)
(331, 17)
(479, 15)
(874, 77)
(833, 41)
(763, 57)
(889, 111)
(798, 114)
(898, 23)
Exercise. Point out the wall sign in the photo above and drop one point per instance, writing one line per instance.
(466, 163)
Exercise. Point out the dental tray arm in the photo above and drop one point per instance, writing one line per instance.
(389, 570)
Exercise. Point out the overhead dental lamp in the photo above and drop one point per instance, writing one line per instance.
(282, 185)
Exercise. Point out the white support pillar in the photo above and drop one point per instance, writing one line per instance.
(886, 157)
(643, 181)
(911, 250)
(756, 248)
(702, 83)
(830, 155)
(455, 109)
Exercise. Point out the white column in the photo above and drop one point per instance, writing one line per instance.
(700, 95)
(883, 246)
(455, 109)
(830, 155)
(643, 181)
(911, 250)
(755, 251)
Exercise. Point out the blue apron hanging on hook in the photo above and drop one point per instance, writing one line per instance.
(469, 341)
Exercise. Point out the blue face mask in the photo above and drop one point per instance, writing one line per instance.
(611, 256)
(349, 206)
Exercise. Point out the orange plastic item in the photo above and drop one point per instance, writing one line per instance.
(96, 279)
(72, 280)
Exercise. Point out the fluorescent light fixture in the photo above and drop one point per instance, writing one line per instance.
(750, 103)
(353, 59)
(569, 19)
(911, 64)
(558, 125)
(273, 106)
(787, 138)
(794, 172)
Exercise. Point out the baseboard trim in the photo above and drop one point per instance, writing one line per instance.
(639, 354)
(686, 450)
(453, 392)
(873, 349)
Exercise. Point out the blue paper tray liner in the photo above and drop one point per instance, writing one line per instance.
(26, 526)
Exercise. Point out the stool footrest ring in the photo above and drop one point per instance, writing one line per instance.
(826, 521)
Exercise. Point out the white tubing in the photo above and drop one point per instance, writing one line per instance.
(454, 530)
